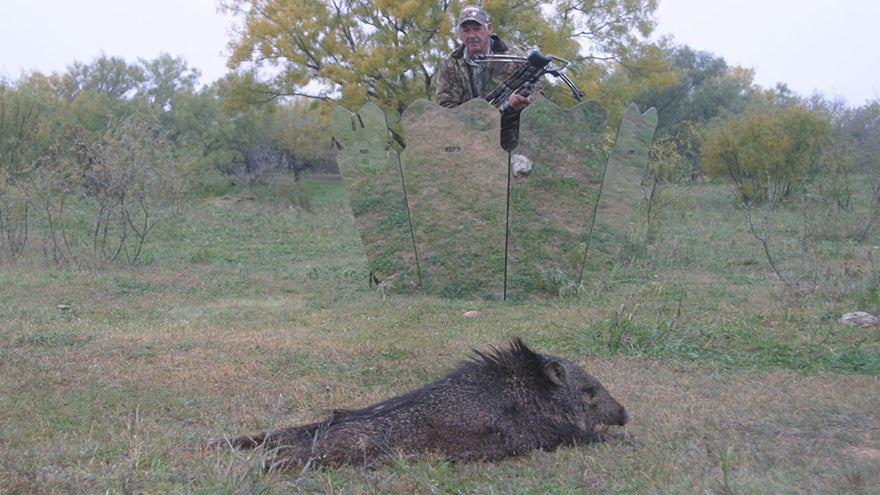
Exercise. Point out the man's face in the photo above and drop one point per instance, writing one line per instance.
(475, 36)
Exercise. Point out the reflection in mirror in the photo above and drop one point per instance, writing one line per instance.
(455, 215)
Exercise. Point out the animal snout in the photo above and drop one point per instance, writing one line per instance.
(621, 416)
(615, 414)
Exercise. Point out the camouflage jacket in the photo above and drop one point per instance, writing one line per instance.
(454, 84)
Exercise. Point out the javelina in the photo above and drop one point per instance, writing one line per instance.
(496, 405)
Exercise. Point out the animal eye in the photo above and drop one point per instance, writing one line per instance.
(589, 391)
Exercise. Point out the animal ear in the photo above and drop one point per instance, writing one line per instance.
(555, 372)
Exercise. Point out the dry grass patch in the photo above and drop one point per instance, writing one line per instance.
(775, 431)
(127, 409)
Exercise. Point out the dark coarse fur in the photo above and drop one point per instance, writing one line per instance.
(499, 404)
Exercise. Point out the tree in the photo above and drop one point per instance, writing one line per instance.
(22, 123)
(202, 131)
(767, 151)
(862, 126)
(166, 76)
(388, 51)
(250, 135)
(705, 86)
(112, 76)
(617, 85)
(302, 139)
(23, 116)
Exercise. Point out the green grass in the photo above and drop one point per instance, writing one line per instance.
(241, 316)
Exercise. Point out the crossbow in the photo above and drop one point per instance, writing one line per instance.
(534, 66)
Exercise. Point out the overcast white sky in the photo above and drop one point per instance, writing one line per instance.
(830, 47)
(49, 35)
(811, 45)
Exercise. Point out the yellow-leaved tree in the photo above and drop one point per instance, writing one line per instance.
(388, 51)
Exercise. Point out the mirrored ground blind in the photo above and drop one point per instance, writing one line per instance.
(621, 188)
(551, 208)
(456, 179)
(371, 173)
(447, 215)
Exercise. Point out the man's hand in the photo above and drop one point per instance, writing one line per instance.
(518, 101)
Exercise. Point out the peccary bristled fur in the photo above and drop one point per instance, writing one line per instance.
(499, 404)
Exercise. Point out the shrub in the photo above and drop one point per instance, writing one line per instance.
(766, 152)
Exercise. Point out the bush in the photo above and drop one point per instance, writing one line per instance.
(766, 152)
(123, 182)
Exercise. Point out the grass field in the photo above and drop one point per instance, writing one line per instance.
(245, 315)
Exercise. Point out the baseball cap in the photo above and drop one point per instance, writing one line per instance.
(473, 13)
